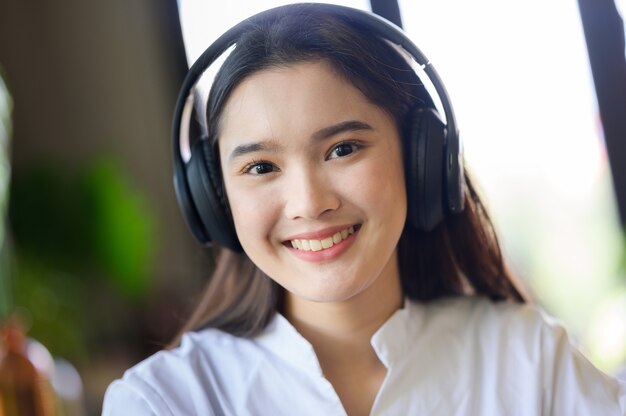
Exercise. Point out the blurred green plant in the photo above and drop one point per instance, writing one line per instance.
(77, 235)
(85, 221)
(121, 227)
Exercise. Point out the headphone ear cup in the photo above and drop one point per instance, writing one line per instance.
(208, 197)
(424, 169)
(187, 206)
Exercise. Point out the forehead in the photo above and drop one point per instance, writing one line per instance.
(292, 100)
(302, 82)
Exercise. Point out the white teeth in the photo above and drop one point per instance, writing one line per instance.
(317, 245)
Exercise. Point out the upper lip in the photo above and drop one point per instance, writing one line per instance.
(320, 234)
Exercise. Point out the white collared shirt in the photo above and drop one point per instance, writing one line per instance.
(464, 356)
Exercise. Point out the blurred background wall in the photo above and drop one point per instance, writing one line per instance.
(99, 249)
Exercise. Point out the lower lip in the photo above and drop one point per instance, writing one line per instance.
(326, 254)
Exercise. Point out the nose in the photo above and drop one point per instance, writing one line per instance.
(310, 194)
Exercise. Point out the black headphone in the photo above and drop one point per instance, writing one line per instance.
(432, 149)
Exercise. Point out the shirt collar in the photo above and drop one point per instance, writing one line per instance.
(282, 338)
(390, 342)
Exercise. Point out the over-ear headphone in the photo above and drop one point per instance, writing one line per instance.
(432, 149)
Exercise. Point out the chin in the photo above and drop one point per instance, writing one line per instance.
(329, 292)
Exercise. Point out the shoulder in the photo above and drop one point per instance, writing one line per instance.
(480, 315)
(185, 379)
(519, 348)
(504, 329)
(199, 353)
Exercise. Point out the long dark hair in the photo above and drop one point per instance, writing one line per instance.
(461, 256)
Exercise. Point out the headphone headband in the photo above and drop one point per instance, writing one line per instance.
(452, 162)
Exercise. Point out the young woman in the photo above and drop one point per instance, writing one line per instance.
(357, 279)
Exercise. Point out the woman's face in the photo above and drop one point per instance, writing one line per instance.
(314, 177)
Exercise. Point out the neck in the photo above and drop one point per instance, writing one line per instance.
(341, 331)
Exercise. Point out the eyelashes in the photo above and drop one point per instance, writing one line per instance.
(259, 167)
(338, 151)
(343, 149)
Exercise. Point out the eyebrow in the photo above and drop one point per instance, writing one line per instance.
(251, 148)
(325, 133)
(351, 125)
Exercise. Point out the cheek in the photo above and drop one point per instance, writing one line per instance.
(382, 184)
(252, 219)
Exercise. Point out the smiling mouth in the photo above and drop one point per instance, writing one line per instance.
(318, 245)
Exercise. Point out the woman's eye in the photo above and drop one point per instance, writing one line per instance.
(259, 168)
(342, 149)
